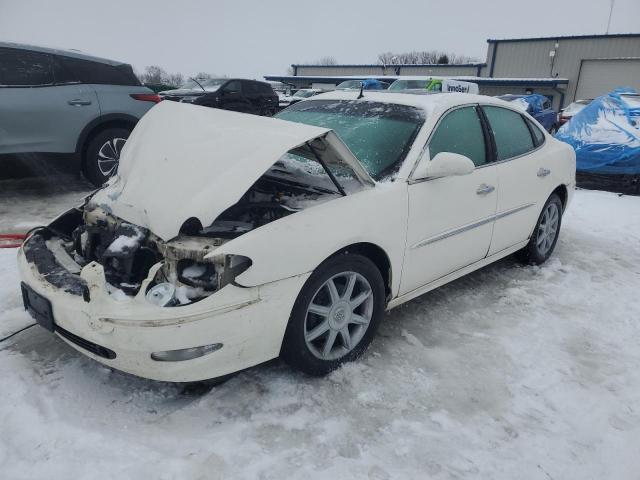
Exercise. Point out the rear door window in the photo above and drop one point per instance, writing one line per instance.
(76, 70)
(460, 131)
(232, 86)
(511, 134)
(23, 68)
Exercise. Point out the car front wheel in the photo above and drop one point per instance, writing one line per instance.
(103, 154)
(335, 315)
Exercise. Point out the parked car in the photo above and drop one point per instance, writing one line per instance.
(366, 84)
(59, 101)
(433, 85)
(571, 110)
(292, 235)
(193, 88)
(538, 106)
(606, 138)
(247, 96)
(298, 96)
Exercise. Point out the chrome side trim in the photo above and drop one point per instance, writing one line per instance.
(470, 226)
(506, 213)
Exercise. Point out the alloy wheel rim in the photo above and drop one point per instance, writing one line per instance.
(109, 155)
(548, 228)
(338, 316)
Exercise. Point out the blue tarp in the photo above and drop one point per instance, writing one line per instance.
(606, 134)
(535, 101)
(373, 84)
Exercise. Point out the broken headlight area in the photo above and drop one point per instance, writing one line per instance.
(127, 254)
(186, 276)
(193, 281)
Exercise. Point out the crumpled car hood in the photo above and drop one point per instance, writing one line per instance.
(183, 161)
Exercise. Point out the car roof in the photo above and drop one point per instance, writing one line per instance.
(57, 51)
(428, 103)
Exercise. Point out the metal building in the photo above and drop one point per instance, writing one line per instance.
(563, 68)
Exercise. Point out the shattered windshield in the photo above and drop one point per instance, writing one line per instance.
(379, 134)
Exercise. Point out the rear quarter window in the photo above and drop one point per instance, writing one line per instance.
(511, 134)
(265, 89)
(76, 70)
(538, 136)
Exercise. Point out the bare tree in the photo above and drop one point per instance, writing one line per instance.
(153, 74)
(176, 79)
(422, 57)
(327, 61)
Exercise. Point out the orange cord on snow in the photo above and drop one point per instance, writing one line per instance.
(11, 240)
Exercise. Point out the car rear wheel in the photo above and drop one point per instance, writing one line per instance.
(103, 154)
(335, 315)
(545, 235)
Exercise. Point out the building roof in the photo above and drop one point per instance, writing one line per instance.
(425, 102)
(533, 82)
(564, 37)
(391, 65)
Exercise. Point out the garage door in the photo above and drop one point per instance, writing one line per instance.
(598, 77)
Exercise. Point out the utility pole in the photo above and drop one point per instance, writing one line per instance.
(610, 13)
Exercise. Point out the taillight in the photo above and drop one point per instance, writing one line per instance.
(146, 97)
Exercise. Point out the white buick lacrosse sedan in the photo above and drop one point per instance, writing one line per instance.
(225, 239)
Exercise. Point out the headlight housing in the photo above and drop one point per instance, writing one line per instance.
(189, 281)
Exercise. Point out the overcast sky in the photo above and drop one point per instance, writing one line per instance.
(253, 38)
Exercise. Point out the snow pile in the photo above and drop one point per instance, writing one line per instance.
(511, 372)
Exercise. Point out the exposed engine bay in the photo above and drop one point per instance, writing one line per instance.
(128, 252)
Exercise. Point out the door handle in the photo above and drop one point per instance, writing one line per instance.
(78, 102)
(543, 172)
(485, 189)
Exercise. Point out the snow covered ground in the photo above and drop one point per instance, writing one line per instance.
(30, 201)
(511, 372)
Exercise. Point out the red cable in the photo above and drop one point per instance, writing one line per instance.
(11, 240)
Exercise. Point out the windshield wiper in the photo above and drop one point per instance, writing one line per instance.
(304, 186)
(199, 84)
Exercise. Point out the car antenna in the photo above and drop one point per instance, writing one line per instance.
(360, 95)
(198, 84)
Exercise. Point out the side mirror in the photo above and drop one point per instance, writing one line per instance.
(444, 164)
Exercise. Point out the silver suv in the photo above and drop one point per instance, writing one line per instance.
(59, 101)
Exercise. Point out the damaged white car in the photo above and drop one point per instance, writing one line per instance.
(226, 240)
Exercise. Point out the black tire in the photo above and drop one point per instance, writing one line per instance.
(295, 350)
(533, 254)
(553, 130)
(94, 166)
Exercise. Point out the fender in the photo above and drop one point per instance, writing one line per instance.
(103, 119)
(298, 243)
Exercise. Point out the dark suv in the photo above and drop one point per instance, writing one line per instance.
(59, 101)
(247, 96)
